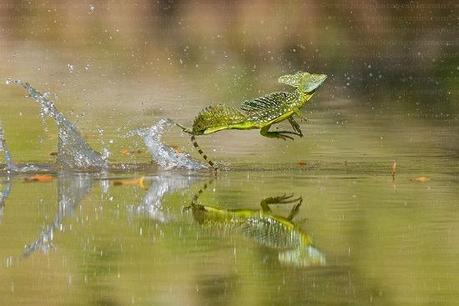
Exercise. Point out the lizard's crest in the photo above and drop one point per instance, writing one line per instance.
(304, 81)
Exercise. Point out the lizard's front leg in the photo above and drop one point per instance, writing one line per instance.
(296, 127)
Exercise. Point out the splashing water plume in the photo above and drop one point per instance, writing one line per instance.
(73, 151)
(166, 157)
(6, 152)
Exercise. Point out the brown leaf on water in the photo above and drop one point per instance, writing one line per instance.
(302, 163)
(421, 179)
(130, 182)
(39, 178)
(127, 152)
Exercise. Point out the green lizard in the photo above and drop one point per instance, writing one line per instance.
(259, 113)
(262, 226)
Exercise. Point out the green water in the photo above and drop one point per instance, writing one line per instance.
(391, 95)
(386, 242)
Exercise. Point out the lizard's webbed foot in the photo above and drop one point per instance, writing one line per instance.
(282, 135)
(277, 134)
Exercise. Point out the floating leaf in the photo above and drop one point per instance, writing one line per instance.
(39, 178)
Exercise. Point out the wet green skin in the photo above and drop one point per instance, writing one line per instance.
(262, 112)
(293, 103)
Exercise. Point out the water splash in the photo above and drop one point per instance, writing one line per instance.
(73, 151)
(71, 191)
(4, 194)
(6, 153)
(166, 157)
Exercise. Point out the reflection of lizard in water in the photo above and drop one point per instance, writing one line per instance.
(273, 231)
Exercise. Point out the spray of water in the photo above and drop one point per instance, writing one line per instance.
(73, 151)
(166, 157)
(6, 153)
(152, 204)
(4, 193)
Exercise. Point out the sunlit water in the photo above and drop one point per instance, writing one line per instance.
(376, 223)
(133, 238)
(370, 218)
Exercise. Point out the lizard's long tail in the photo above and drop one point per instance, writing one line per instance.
(196, 196)
(195, 144)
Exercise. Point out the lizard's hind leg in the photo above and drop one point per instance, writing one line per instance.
(195, 144)
(295, 209)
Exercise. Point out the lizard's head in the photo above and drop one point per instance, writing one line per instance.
(304, 81)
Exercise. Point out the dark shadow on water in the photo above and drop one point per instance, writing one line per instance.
(218, 289)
